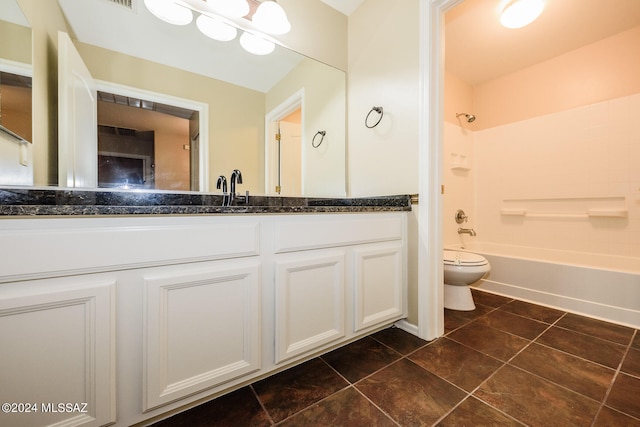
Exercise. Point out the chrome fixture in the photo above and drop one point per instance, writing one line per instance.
(378, 110)
(470, 231)
(221, 19)
(461, 216)
(470, 117)
(236, 177)
(222, 182)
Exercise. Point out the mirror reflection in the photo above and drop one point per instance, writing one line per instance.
(229, 93)
(15, 97)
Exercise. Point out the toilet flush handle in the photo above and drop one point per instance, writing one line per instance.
(461, 216)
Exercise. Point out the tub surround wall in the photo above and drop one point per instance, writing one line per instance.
(459, 174)
(557, 168)
(558, 133)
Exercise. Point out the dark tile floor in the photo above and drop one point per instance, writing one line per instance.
(506, 363)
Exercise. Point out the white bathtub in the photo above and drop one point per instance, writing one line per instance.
(601, 286)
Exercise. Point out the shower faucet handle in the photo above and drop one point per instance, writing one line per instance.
(461, 216)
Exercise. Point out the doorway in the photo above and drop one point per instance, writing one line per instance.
(284, 151)
(146, 144)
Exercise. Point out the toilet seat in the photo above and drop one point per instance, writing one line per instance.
(463, 259)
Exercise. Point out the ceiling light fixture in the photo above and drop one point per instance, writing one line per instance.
(169, 11)
(216, 28)
(230, 8)
(255, 44)
(220, 19)
(519, 13)
(271, 18)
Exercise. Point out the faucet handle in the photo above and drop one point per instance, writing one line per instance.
(461, 216)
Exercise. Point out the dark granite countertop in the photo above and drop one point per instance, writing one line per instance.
(15, 201)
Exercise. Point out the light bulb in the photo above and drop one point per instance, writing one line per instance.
(169, 11)
(271, 18)
(519, 13)
(256, 45)
(216, 29)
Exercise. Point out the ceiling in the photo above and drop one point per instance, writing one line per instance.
(479, 49)
(11, 12)
(347, 7)
(134, 31)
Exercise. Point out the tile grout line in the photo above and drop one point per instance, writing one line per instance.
(255, 394)
(504, 363)
(613, 380)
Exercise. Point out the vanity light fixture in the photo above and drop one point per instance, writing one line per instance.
(230, 8)
(519, 13)
(216, 29)
(255, 44)
(271, 18)
(169, 11)
(220, 19)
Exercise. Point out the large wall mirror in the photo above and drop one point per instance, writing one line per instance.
(16, 166)
(174, 109)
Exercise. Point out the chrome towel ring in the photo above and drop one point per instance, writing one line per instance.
(322, 133)
(377, 110)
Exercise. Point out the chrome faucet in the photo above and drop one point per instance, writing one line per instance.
(222, 182)
(470, 231)
(236, 178)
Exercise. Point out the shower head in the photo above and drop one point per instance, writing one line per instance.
(470, 117)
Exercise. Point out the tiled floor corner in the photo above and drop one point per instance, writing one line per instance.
(508, 363)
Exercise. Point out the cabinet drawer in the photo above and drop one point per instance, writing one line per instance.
(94, 245)
(301, 233)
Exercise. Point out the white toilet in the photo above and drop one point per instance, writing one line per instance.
(460, 270)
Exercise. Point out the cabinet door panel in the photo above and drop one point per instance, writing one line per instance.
(57, 347)
(202, 328)
(379, 284)
(310, 293)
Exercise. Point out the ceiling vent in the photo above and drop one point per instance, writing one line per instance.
(129, 4)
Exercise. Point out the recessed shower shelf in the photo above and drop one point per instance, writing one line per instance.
(578, 207)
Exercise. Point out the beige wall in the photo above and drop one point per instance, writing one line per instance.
(317, 31)
(15, 42)
(236, 114)
(383, 71)
(458, 98)
(564, 82)
(323, 168)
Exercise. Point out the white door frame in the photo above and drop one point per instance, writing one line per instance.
(431, 136)
(202, 108)
(285, 108)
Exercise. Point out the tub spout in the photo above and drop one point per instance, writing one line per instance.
(470, 231)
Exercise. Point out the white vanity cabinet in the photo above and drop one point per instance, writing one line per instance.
(201, 328)
(57, 351)
(138, 316)
(336, 277)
